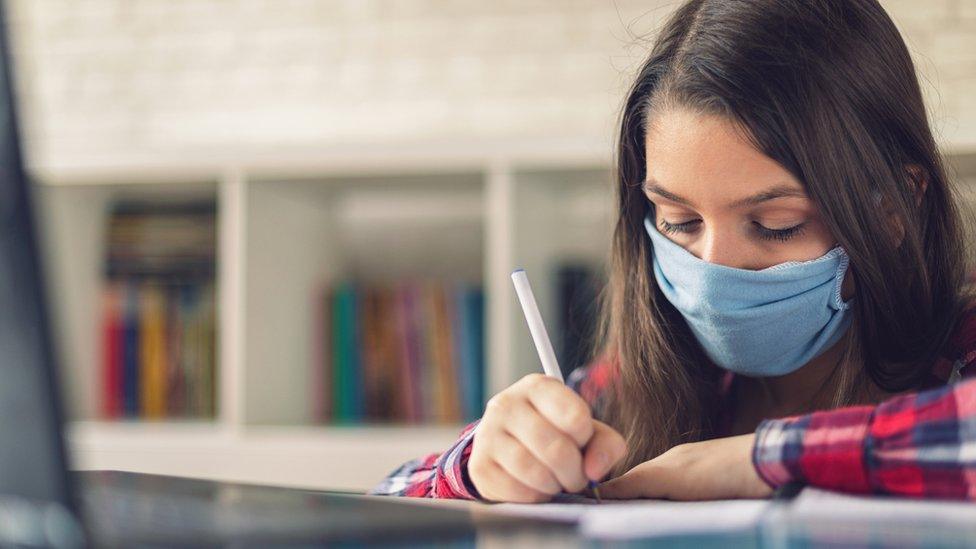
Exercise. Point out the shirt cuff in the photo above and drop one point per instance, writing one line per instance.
(453, 467)
(824, 449)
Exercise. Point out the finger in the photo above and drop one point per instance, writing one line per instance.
(643, 481)
(555, 449)
(563, 408)
(521, 464)
(604, 450)
(501, 486)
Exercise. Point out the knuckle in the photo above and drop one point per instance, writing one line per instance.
(578, 419)
(499, 404)
(521, 459)
(538, 476)
(561, 451)
(534, 379)
(530, 470)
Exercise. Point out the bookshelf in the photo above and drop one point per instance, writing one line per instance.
(288, 222)
(291, 219)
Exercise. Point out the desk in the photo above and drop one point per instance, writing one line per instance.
(123, 509)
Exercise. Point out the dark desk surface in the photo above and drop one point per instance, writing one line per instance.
(125, 509)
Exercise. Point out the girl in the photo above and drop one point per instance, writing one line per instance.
(786, 247)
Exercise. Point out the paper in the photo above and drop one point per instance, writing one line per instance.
(813, 503)
(645, 518)
(815, 515)
(829, 518)
(658, 518)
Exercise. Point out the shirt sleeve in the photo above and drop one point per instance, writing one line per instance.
(437, 475)
(445, 475)
(920, 445)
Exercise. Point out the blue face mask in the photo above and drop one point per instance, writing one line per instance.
(756, 323)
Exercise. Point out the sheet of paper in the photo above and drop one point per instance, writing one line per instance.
(815, 504)
(814, 515)
(643, 518)
(823, 518)
(658, 517)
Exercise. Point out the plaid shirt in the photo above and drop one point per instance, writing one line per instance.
(919, 444)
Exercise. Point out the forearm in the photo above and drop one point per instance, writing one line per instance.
(916, 445)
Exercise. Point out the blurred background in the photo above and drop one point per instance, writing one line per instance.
(278, 233)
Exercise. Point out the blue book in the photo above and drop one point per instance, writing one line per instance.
(475, 308)
(130, 352)
(356, 387)
(340, 350)
(470, 329)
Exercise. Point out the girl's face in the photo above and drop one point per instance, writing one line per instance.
(725, 202)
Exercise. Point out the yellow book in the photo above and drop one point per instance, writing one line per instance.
(152, 352)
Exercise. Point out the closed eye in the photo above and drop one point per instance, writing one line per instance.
(765, 233)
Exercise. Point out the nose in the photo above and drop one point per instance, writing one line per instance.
(723, 248)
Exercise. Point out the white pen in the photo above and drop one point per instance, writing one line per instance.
(539, 336)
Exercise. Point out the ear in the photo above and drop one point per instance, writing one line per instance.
(918, 180)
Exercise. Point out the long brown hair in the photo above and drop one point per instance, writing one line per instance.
(828, 90)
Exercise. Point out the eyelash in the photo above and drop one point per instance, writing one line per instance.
(781, 235)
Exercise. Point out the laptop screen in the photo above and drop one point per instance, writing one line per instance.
(32, 462)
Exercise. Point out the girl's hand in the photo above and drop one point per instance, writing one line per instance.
(529, 443)
(713, 469)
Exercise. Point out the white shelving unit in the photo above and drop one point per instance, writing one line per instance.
(288, 222)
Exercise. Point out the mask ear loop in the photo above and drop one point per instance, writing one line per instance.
(842, 267)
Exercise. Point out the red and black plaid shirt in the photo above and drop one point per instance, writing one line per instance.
(920, 444)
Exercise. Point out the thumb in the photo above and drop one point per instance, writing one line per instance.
(630, 485)
(605, 448)
(645, 480)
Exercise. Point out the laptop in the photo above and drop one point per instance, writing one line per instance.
(42, 504)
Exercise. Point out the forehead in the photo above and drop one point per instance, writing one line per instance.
(704, 156)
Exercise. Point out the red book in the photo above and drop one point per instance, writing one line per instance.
(112, 352)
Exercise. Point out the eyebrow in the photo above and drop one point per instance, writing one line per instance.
(778, 191)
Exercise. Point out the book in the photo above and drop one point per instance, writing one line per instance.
(152, 352)
(113, 323)
(410, 351)
(159, 312)
(130, 352)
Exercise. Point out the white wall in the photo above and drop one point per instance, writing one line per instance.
(106, 77)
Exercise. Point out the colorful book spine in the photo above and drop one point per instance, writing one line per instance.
(409, 352)
(206, 325)
(175, 384)
(409, 410)
(468, 350)
(130, 352)
(189, 360)
(112, 359)
(152, 358)
(159, 321)
(447, 366)
(475, 314)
